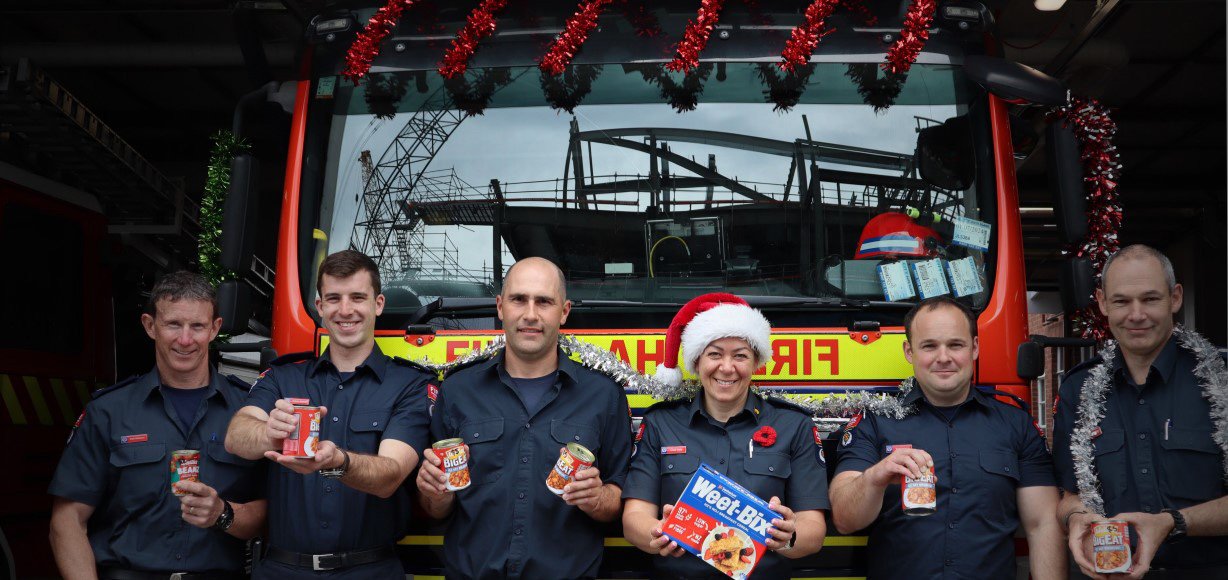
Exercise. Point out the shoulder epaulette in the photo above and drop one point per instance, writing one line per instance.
(292, 358)
(670, 404)
(116, 386)
(413, 365)
(787, 404)
(1018, 401)
(1087, 364)
(451, 371)
(238, 383)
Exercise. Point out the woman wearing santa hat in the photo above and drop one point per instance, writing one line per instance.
(770, 447)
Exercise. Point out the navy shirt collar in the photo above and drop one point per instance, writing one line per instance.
(567, 367)
(752, 408)
(150, 381)
(376, 362)
(974, 394)
(1164, 363)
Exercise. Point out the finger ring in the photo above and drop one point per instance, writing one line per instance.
(191, 510)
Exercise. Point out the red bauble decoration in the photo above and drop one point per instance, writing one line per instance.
(765, 436)
(806, 35)
(1094, 130)
(575, 32)
(366, 46)
(904, 50)
(479, 25)
(695, 38)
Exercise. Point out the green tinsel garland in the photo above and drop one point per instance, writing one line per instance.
(217, 184)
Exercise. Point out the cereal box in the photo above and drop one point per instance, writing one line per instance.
(721, 522)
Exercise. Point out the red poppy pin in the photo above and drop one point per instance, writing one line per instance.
(765, 437)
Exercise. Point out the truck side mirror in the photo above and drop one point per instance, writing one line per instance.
(1066, 183)
(234, 305)
(1077, 283)
(1030, 360)
(1015, 82)
(239, 214)
(944, 154)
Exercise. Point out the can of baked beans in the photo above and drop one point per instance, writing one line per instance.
(919, 495)
(454, 455)
(1111, 546)
(573, 458)
(305, 438)
(185, 466)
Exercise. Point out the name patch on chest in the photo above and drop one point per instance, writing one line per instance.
(673, 450)
(141, 438)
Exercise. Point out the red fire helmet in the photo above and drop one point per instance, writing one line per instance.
(892, 235)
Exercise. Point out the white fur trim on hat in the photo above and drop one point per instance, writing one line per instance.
(668, 375)
(727, 321)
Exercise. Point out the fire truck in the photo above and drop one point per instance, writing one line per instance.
(832, 198)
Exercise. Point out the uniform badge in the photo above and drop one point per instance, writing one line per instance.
(673, 450)
(818, 437)
(1056, 397)
(1096, 432)
(432, 392)
(639, 433)
(822, 456)
(74, 427)
(846, 439)
(856, 420)
(143, 437)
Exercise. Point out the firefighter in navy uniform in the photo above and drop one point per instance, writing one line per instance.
(767, 446)
(114, 516)
(1153, 452)
(339, 514)
(994, 474)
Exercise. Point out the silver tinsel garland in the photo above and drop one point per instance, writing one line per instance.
(1212, 376)
(603, 361)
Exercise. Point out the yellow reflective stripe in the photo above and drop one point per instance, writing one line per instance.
(40, 404)
(843, 541)
(61, 399)
(640, 401)
(83, 394)
(10, 400)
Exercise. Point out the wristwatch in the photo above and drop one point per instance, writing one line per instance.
(338, 472)
(227, 518)
(1179, 527)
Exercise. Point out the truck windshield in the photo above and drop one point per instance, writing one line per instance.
(656, 187)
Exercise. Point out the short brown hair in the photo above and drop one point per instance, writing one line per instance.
(181, 285)
(346, 263)
(934, 304)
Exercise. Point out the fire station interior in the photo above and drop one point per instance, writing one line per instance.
(112, 104)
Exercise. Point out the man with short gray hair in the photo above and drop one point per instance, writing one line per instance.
(1142, 442)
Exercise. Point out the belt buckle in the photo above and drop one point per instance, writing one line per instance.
(318, 567)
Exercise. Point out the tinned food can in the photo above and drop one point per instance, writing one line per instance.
(919, 495)
(454, 456)
(185, 466)
(305, 438)
(572, 458)
(1111, 546)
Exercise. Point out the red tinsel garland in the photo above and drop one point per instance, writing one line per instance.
(575, 32)
(695, 38)
(806, 35)
(1095, 130)
(366, 45)
(904, 50)
(479, 25)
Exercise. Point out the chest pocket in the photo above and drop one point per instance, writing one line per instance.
(1003, 463)
(143, 469)
(366, 429)
(485, 453)
(767, 473)
(1111, 463)
(565, 432)
(1192, 453)
(682, 464)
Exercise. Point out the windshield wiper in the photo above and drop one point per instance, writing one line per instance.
(447, 304)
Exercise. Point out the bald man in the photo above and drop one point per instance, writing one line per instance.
(516, 411)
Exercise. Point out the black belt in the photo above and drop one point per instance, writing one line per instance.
(330, 561)
(124, 574)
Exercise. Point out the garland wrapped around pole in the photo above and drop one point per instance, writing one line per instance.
(1094, 130)
(217, 184)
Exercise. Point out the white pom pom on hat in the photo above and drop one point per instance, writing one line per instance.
(708, 318)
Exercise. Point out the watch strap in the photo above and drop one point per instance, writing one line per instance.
(1179, 525)
(226, 518)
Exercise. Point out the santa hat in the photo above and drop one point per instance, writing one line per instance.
(708, 318)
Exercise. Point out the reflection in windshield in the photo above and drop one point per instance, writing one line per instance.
(636, 201)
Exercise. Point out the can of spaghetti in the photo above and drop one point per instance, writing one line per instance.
(454, 456)
(185, 466)
(1111, 546)
(919, 495)
(572, 458)
(305, 438)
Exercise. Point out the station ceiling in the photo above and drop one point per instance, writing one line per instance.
(166, 75)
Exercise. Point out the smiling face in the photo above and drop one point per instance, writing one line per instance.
(348, 307)
(942, 351)
(725, 368)
(1139, 304)
(181, 331)
(532, 307)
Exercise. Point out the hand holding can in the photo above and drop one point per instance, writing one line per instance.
(185, 466)
(572, 458)
(453, 455)
(304, 440)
